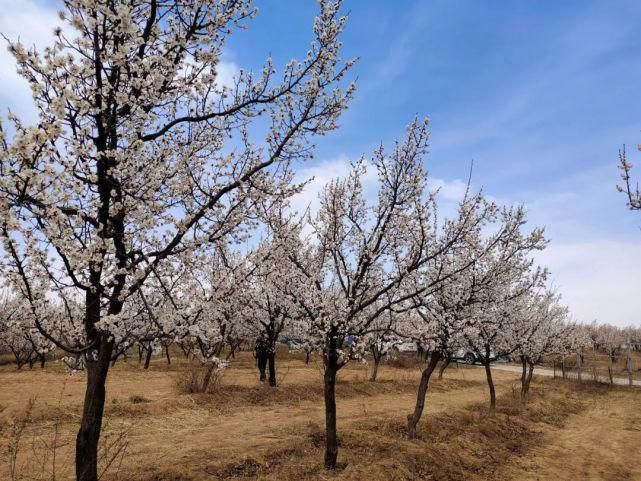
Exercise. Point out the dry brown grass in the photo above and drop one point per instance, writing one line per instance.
(245, 430)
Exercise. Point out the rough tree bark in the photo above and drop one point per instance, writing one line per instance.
(148, 357)
(331, 369)
(490, 383)
(377, 356)
(444, 365)
(528, 380)
(523, 378)
(261, 360)
(413, 419)
(271, 359)
(91, 423)
(208, 376)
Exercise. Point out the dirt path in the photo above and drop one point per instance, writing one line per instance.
(257, 431)
(541, 371)
(171, 433)
(601, 443)
(241, 429)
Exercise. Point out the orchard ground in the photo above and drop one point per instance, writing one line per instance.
(245, 430)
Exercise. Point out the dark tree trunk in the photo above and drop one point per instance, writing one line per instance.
(415, 417)
(167, 354)
(209, 373)
(91, 424)
(331, 436)
(140, 351)
(307, 356)
(232, 350)
(261, 359)
(19, 362)
(114, 359)
(444, 365)
(528, 380)
(186, 350)
(376, 354)
(490, 383)
(148, 357)
(271, 358)
(523, 378)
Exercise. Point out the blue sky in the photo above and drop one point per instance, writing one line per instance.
(539, 94)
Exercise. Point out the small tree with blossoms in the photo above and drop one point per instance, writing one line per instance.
(445, 313)
(382, 340)
(141, 155)
(543, 330)
(500, 280)
(19, 334)
(267, 311)
(358, 262)
(609, 338)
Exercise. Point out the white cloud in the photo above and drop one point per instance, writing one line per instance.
(449, 190)
(320, 175)
(598, 279)
(226, 72)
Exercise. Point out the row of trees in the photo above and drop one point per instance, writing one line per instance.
(359, 276)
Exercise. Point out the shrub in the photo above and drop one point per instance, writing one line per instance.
(137, 399)
(204, 377)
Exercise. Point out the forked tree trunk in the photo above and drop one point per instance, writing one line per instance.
(528, 381)
(444, 365)
(185, 349)
(331, 436)
(490, 383)
(271, 359)
(93, 408)
(414, 418)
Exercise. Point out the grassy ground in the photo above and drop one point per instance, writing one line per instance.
(247, 431)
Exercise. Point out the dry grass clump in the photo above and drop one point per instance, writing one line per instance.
(199, 378)
(461, 445)
(243, 430)
(138, 399)
(405, 360)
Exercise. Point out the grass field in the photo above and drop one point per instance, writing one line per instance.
(245, 430)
